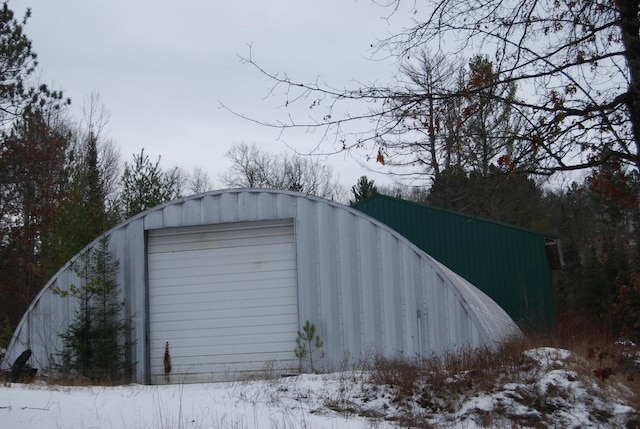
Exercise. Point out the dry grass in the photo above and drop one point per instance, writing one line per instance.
(442, 372)
(439, 384)
(78, 380)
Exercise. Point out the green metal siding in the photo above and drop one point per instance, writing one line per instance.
(508, 263)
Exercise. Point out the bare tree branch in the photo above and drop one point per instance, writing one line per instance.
(575, 65)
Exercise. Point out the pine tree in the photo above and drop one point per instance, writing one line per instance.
(32, 178)
(365, 188)
(146, 185)
(95, 342)
(308, 342)
(82, 215)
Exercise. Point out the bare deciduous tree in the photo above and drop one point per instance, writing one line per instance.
(253, 168)
(443, 133)
(94, 122)
(198, 180)
(576, 64)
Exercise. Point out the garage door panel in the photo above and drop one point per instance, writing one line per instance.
(174, 329)
(225, 320)
(197, 332)
(200, 313)
(218, 240)
(210, 346)
(203, 355)
(211, 340)
(222, 294)
(204, 258)
(265, 306)
(177, 256)
(219, 246)
(246, 335)
(225, 269)
(229, 281)
(242, 353)
(203, 360)
(224, 282)
(221, 299)
(220, 284)
(222, 266)
(277, 255)
(225, 232)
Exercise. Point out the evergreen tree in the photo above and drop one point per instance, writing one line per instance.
(513, 199)
(30, 166)
(33, 158)
(96, 340)
(82, 215)
(599, 229)
(452, 190)
(146, 185)
(365, 188)
(18, 64)
(308, 343)
(95, 196)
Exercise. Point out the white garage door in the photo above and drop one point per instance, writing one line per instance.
(225, 299)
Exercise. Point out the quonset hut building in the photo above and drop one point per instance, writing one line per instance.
(227, 278)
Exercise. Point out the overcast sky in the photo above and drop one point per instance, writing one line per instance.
(163, 68)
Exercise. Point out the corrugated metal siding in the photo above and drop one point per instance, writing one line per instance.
(364, 286)
(506, 262)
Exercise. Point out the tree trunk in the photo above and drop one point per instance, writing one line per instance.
(630, 28)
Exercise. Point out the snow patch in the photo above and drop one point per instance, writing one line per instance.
(546, 394)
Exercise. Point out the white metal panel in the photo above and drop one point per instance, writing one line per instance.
(224, 297)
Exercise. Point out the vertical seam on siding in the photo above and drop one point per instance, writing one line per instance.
(380, 285)
(404, 290)
(147, 321)
(338, 278)
(359, 284)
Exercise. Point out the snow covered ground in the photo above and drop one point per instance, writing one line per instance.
(546, 392)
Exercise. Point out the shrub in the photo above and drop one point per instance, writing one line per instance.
(308, 342)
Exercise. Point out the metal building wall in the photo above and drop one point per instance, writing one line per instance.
(364, 286)
(508, 263)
